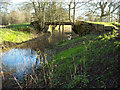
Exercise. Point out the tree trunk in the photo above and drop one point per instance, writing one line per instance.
(62, 25)
(111, 17)
(119, 14)
(0, 16)
(69, 12)
(101, 18)
(74, 13)
(44, 15)
(59, 23)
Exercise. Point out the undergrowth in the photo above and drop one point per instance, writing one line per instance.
(90, 61)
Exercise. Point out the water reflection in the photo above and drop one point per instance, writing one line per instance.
(29, 55)
(41, 58)
(18, 60)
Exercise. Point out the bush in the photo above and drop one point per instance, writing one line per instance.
(36, 25)
(82, 28)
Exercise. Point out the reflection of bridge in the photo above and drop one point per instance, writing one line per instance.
(58, 23)
(52, 25)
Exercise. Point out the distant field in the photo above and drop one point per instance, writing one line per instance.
(18, 26)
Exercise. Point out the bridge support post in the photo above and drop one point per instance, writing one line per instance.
(59, 28)
(50, 29)
(62, 29)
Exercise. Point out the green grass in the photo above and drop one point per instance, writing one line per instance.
(102, 23)
(19, 26)
(14, 36)
(16, 33)
(114, 23)
(88, 61)
(91, 63)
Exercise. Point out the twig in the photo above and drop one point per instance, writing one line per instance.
(14, 79)
(17, 82)
(84, 45)
(26, 79)
(2, 75)
(44, 75)
(33, 79)
(74, 66)
(70, 73)
(35, 74)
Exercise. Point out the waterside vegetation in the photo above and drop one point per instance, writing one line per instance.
(89, 61)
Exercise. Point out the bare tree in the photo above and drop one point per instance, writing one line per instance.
(19, 17)
(69, 4)
(26, 8)
(105, 8)
(74, 11)
(4, 10)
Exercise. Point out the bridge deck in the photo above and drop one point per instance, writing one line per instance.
(57, 23)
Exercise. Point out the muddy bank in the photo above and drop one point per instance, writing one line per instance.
(7, 44)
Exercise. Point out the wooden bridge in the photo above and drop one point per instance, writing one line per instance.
(58, 23)
(52, 25)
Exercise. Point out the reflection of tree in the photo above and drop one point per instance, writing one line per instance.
(41, 57)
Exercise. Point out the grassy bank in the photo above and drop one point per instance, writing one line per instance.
(90, 61)
(16, 33)
(14, 36)
(106, 23)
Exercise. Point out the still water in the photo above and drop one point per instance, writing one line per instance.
(18, 61)
(28, 56)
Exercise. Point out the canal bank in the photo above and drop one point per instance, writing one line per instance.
(90, 61)
(21, 59)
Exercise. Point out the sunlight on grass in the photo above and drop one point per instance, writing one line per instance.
(113, 24)
(14, 36)
(103, 23)
(94, 51)
(19, 26)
